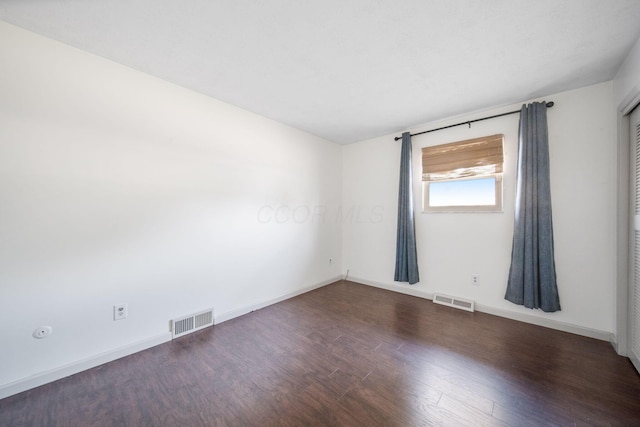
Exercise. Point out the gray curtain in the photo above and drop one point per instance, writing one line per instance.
(532, 275)
(406, 255)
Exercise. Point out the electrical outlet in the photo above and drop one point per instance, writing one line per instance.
(475, 279)
(120, 312)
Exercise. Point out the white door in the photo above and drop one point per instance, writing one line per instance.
(634, 306)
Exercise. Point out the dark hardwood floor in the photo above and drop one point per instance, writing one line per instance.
(349, 355)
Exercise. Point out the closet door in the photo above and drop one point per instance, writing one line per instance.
(634, 295)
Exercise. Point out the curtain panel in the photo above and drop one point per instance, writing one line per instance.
(406, 253)
(532, 274)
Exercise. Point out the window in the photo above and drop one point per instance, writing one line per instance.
(464, 176)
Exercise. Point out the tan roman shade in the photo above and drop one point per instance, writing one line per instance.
(463, 159)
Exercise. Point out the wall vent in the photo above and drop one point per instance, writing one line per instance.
(191, 323)
(462, 304)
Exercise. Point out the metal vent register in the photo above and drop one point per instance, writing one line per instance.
(455, 302)
(191, 323)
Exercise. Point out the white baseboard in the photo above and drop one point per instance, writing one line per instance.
(614, 343)
(42, 378)
(635, 361)
(45, 377)
(231, 314)
(547, 323)
(396, 287)
(521, 317)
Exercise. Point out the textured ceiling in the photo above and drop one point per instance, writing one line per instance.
(350, 70)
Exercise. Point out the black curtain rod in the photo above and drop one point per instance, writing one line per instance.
(397, 138)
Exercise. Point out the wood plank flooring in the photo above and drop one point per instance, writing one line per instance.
(349, 355)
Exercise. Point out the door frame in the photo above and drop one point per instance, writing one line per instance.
(624, 277)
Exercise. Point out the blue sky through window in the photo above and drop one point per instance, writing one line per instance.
(464, 192)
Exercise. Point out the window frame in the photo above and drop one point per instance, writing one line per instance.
(470, 159)
(495, 208)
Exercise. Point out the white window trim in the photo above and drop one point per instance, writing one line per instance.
(496, 208)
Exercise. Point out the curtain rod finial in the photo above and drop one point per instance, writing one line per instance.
(550, 104)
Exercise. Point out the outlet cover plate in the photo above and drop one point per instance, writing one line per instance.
(120, 312)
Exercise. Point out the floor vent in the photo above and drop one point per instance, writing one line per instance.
(191, 323)
(462, 304)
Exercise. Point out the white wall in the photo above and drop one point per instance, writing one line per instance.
(117, 187)
(452, 247)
